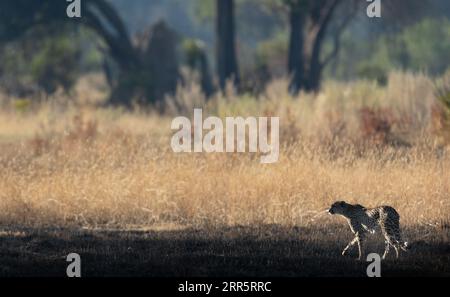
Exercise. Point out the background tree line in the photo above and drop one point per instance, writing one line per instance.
(250, 42)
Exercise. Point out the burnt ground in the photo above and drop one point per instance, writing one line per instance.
(266, 251)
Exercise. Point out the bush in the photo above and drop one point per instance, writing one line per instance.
(441, 111)
(373, 72)
(55, 65)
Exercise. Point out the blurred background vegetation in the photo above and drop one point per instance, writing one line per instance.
(142, 46)
(86, 105)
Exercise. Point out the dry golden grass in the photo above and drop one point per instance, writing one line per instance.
(80, 165)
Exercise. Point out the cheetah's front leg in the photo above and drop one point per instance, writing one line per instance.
(360, 242)
(349, 245)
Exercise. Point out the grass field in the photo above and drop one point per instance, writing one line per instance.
(103, 182)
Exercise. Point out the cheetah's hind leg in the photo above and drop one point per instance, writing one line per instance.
(396, 249)
(386, 250)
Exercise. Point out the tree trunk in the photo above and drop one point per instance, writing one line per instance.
(147, 69)
(226, 54)
(295, 58)
(308, 28)
(314, 67)
(206, 82)
(320, 21)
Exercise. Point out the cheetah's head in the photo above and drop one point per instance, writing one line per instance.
(338, 207)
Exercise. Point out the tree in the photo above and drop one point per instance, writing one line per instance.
(196, 59)
(227, 67)
(136, 75)
(43, 61)
(309, 21)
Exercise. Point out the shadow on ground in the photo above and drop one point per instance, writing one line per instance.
(227, 252)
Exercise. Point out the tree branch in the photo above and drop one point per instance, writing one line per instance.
(338, 33)
(114, 19)
(119, 44)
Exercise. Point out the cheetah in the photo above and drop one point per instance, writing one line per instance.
(363, 220)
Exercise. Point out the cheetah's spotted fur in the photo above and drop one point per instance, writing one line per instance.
(363, 220)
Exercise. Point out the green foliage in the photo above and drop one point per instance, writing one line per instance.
(373, 72)
(421, 47)
(273, 53)
(22, 105)
(192, 50)
(427, 45)
(92, 57)
(298, 4)
(47, 58)
(55, 64)
(443, 90)
(204, 11)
